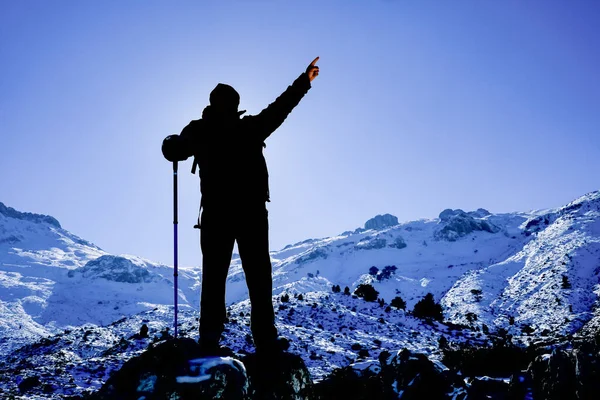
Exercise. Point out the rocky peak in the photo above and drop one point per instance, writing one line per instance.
(10, 212)
(381, 221)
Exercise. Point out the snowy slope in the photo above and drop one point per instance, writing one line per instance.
(51, 279)
(424, 263)
(551, 284)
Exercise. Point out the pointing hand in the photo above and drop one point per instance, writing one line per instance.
(312, 70)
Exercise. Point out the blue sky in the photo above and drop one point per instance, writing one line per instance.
(419, 106)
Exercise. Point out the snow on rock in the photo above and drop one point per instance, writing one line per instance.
(10, 212)
(117, 269)
(176, 369)
(458, 223)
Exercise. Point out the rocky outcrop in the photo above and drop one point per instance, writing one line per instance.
(117, 269)
(175, 369)
(284, 377)
(458, 223)
(405, 375)
(381, 221)
(567, 374)
(26, 216)
(417, 377)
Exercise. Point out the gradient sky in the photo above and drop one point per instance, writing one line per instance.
(419, 106)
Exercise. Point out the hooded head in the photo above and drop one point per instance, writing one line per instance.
(224, 98)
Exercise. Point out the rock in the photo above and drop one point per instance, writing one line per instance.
(566, 374)
(381, 221)
(371, 244)
(29, 383)
(448, 213)
(281, 377)
(35, 218)
(144, 331)
(312, 255)
(484, 387)
(417, 377)
(458, 223)
(480, 213)
(352, 383)
(175, 369)
(117, 269)
(406, 375)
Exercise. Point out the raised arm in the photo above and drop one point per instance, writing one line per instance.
(269, 119)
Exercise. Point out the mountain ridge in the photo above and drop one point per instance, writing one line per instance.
(533, 275)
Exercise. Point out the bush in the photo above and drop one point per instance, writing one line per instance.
(398, 302)
(347, 291)
(428, 308)
(373, 270)
(336, 289)
(285, 298)
(367, 292)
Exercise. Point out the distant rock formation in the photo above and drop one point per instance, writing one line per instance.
(117, 269)
(458, 223)
(381, 221)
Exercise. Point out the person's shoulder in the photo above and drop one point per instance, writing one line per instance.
(195, 124)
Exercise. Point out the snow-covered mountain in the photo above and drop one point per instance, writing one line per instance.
(538, 269)
(51, 280)
(534, 274)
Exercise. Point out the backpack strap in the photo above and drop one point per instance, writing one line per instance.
(194, 164)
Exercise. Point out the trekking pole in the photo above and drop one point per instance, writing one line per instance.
(175, 240)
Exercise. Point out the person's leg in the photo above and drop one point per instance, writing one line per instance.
(253, 243)
(216, 241)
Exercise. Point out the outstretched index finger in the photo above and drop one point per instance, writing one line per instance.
(312, 64)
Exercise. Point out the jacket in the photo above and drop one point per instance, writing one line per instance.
(229, 150)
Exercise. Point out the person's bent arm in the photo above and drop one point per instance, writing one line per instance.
(181, 147)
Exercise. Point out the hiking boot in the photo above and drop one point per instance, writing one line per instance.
(274, 348)
(213, 349)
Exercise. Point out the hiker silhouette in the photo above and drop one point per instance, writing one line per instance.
(234, 186)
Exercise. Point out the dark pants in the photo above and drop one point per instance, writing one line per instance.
(219, 228)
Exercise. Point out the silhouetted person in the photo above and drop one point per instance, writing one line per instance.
(234, 185)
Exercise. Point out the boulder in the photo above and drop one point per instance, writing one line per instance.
(566, 374)
(281, 377)
(405, 375)
(176, 369)
(417, 377)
